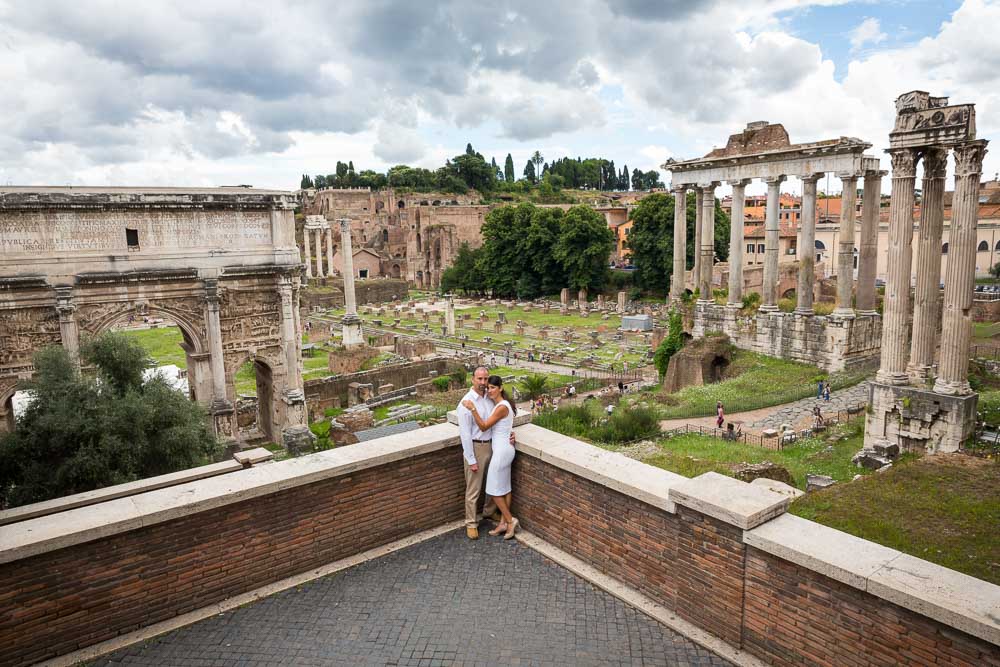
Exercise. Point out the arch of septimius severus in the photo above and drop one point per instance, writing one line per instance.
(848, 337)
(221, 263)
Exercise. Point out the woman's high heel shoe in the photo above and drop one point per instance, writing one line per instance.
(501, 527)
(514, 524)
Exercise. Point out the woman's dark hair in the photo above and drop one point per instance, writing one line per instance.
(497, 381)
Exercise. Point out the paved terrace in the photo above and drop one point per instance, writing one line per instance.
(444, 601)
(244, 557)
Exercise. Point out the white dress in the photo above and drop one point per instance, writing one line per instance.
(498, 475)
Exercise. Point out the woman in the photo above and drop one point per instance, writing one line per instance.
(720, 415)
(498, 474)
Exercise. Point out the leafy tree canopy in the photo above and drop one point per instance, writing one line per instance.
(81, 433)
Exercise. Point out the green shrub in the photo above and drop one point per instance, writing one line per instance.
(333, 412)
(635, 423)
(671, 344)
(459, 375)
(533, 386)
(320, 429)
(751, 301)
(442, 383)
(634, 294)
(786, 305)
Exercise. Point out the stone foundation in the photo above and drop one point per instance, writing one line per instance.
(918, 420)
(833, 344)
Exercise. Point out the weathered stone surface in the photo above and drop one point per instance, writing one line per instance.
(815, 482)
(702, 362)
(867, 458)
(356, 420)
(778, 487)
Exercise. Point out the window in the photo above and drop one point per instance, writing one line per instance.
(629, 231)
(944, 249)
(362, 273)
(750, 248)
(132, 239)
(760, 248)
(997, 249)
(385, 235)
(983, 247)
(820, 245)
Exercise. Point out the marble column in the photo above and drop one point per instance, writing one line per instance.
(319, 252)
(807, 247)
(895, 337)
(707, 249)
(449, 313)
(960, 278)
(736, 243)
(221, 408)
(308, 250)
(845, 246)
(680, 243)
(927, 292)
(350, 323)
(329, 250)
(696, 271)
(69, 332)
(771, 237)
(868, 246)
(289, 336)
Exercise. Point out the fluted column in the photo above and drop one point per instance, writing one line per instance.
(960, 279)
(927, 293)
(736, 243)
(895, 338)
(319, 252)
(216, 358)
(289, 336)
(69, 332)
(807, 247)
(707, 249)
(845, 251)
(696, 272)
(680, 243)
(308, 250)
(868, 259)
(771, 236)
(329, 250)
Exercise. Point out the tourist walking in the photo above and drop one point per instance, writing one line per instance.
(826, 390)
(720, 417)
(500, 423)
(819, 389)
(477, 449)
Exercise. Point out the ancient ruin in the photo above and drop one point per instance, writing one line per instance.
(763, 151)
(221, 263)
(905, 410)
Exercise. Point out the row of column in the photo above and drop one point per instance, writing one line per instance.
(705, 236)
(908, 356)
(317, 226)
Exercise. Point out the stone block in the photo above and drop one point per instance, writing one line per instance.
(816, 482)
(748, 472)
(778, 487)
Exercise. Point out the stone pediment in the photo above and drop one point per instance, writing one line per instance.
(758, 137)
(922, 120)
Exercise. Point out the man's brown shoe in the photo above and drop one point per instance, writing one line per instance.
(472, 532)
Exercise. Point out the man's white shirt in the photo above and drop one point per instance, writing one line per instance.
(468, 430)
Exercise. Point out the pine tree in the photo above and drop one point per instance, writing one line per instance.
(468, 149)
(623, 179)
(508, 169)
(529, 172)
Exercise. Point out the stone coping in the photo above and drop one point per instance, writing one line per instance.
(955, 599)
(83, 524)
(640, 481)
(34, 510)
(730, 500)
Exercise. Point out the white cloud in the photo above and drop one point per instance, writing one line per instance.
(868, 31)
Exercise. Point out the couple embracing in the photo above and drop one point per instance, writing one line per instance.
(485, 421)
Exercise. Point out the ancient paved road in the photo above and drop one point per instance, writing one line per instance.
(446, 601)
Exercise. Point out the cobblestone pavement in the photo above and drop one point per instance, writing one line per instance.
(446, 601)
(801, 411)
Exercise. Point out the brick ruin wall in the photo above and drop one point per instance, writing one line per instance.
(70, 598)
(332, 392)
(827, 342)
(330, 294)
(700, 569)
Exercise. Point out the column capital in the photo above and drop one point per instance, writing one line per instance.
(679, 189)
(811, 178)
(935, 162)
(708, 187)
(904, 162)
(345, 225)
(875, 173)
(64, 301)
(213, 295)
(848, 175)
(740, 182)
(969, 157)
(773, 181)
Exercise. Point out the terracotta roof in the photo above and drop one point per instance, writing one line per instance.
(757, 231)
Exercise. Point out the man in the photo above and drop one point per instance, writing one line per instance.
(477, 448)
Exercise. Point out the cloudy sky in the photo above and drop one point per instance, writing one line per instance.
(214, 92)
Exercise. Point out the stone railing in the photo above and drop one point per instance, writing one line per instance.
(720, 556)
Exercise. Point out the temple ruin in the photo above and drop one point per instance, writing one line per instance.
(763, 150)
(219, 262)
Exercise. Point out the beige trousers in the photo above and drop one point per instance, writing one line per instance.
(475, 481)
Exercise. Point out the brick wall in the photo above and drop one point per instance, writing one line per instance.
(700, 568)
(332, 391)
(57, 602)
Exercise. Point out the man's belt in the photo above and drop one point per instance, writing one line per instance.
(484, 442)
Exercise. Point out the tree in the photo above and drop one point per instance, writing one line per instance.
(637, 179)
(532, 386)
(583, 248)
(538, 160)
(508, 169)
(462, 274)
(306, 182)
(83, 433)
(501, 262)
(623, 182)
(651, 240)
(529, 172)
(995, 271)
(473, 170)
(671, 344)
(320, 182)
(469, 150)
(496, 170)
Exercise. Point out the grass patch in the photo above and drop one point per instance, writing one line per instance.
(692, 454)
(942, 508)
(162, 344)
(757, 381)
(985, 330)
